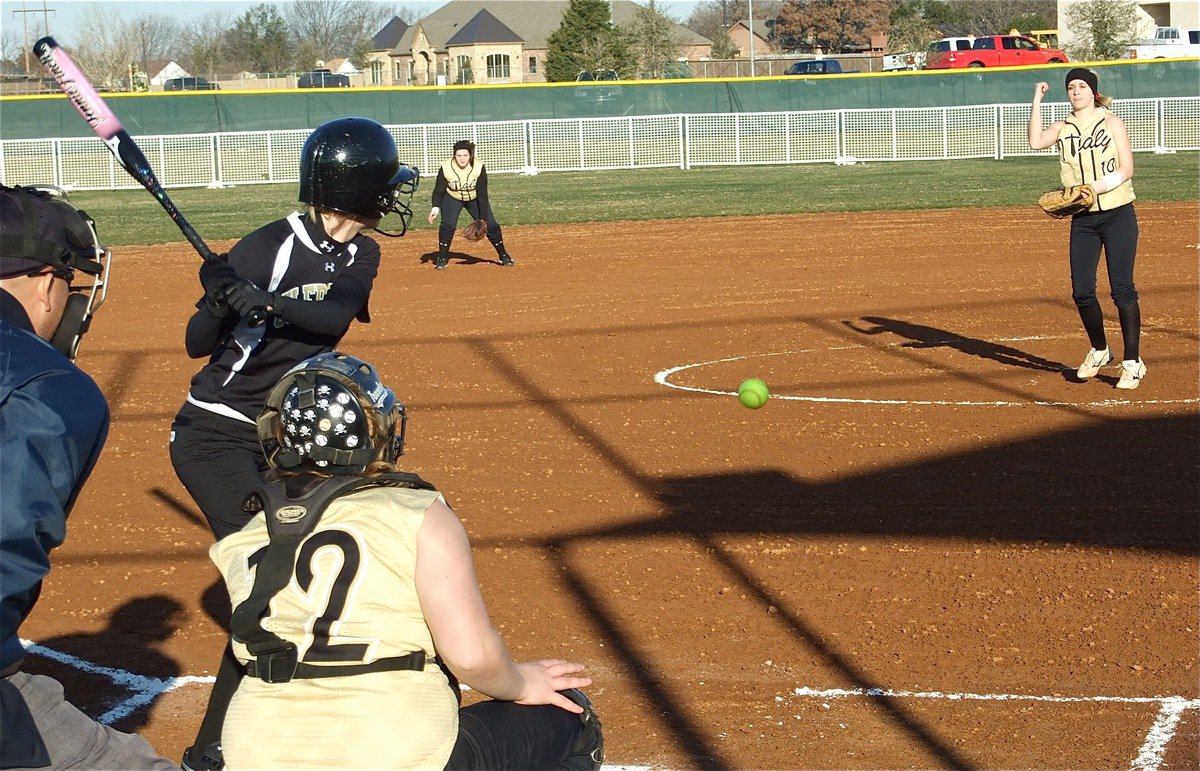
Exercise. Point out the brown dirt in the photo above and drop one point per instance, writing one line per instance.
(975, 523)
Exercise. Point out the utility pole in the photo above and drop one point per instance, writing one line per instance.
(25, 26)
(750, 10)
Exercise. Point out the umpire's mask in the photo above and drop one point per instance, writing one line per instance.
(39, 227)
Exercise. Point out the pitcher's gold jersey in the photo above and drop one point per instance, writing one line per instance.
(1086, 152)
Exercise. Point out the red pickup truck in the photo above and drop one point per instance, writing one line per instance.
(997, 51)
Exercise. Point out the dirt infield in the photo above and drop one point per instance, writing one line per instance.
(930, 549)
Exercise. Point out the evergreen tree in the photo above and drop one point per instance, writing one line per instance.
(259, 40)
(585, 40)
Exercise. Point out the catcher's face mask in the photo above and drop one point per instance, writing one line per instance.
(45, 229)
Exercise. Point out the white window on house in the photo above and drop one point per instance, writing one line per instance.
(398, 71)
(376, 73)
(412, 71)
(462, 67)
(533, 64)
(497, 66)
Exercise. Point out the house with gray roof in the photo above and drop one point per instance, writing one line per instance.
(484, 41)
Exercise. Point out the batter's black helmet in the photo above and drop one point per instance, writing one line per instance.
(331, 414)
(351, 165)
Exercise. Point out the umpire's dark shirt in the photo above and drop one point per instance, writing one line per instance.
(53, 423)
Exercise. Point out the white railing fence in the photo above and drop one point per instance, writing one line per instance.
(585, 144)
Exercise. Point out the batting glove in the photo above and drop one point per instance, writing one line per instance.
(245, 298)
(217, 276)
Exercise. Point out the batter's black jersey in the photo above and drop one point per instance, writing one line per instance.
(294, 257)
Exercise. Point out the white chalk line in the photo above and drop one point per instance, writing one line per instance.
(1150, 754)
(145, 689)
(662, 378)
(1149, 757)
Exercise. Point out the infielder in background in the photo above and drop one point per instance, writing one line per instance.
(1093, 149)
(462, 184)
(311, 275)
(53, 423)
(375, 607)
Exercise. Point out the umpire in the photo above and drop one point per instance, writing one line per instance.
(53, 423)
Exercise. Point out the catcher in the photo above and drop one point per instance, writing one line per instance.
(462, 184)
(357, 607)
(1095, 165)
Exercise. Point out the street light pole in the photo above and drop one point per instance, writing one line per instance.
(751, 14)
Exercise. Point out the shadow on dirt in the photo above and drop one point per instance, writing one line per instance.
(458, 258)
(922, 336)
(1124, 484)
(130, 642)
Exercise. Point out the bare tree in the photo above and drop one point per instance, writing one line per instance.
(324, 29)
(108, 49)
(652, 40)
(204, 43)
(1102, 29)
(155, 37)
(11, 49)
(996, 17)
(713, 18)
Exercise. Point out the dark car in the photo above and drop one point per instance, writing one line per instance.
(189, 84)
(322, 79)
(600, 93)
(817, 67)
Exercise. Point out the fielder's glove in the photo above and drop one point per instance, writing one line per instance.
(475, 231)
(1068, 201)
(217, 276)
(250, 302)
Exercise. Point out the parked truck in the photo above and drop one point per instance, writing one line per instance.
(1168, 43)
(997, 51)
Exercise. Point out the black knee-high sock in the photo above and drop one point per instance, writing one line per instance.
(1093, 324)
(1131, 329)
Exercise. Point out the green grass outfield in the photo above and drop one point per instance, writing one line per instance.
(134, 217)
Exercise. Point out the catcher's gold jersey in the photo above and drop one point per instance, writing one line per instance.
(352, 600)
(1086, 152)
(460, 183)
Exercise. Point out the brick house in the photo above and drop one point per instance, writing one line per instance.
(482, 41)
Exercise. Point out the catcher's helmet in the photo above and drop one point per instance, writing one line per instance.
(351, 165)
(331, 414)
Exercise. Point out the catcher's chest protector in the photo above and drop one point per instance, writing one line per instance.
(292, 512)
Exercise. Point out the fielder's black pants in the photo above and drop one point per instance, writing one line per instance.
(451, 208)
(1116, 232)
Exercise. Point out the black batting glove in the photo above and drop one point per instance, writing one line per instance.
(217, 276)
(245, 298)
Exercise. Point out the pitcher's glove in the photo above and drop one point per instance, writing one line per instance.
(1067, 202)
(475, 231)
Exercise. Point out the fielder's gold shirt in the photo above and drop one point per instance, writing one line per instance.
(461, 183)
(1086, 152)
(352, 600)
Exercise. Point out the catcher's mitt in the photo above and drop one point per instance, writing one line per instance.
(1067, 202)
(475, 231)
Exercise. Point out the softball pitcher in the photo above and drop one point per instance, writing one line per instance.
(1093, 149)
(462, 184)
